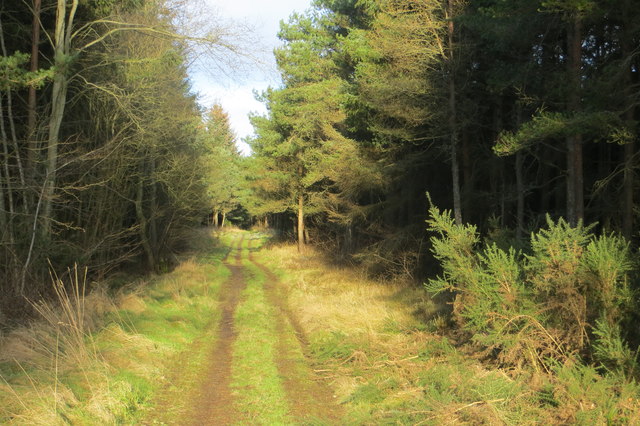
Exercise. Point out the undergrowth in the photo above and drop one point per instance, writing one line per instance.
(383, 349)
(557, 308)
(374, 343)
(98, 356)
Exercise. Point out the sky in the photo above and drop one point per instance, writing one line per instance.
(235, 90)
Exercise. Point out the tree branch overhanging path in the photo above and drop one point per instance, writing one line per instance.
(82, 69)
(487, 149)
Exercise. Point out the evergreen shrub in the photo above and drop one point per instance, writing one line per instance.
(566, 294)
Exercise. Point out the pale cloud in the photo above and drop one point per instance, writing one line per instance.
(236, 94)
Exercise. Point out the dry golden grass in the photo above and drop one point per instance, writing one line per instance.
(63, 333)
(371, 342)
(131, 302)
(87, 337)
(83, 361)
(58, 344)
(379, 317)
(129, 351)
(325, 297)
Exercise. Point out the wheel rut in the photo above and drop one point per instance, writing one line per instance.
(218, 393)
(215, 402)
(309, 398)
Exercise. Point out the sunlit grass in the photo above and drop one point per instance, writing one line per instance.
(101, 358)
(255, 379)
(371, 341)
(118, 357)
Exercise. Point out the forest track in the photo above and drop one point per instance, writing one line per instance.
(215, 402)
(310, 399)
(222, 396)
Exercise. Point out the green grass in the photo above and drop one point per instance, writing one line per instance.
(379, 345)
(371, 339)
(255, 379)
(180, 316)
(138, 333)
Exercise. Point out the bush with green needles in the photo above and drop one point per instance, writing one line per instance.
(567, 296)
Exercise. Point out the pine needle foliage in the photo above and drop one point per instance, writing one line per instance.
(566, 296)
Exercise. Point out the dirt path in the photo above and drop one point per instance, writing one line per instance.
(309, 398)
(215, 404)
(256, 368)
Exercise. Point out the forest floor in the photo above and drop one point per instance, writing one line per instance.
(245, 331)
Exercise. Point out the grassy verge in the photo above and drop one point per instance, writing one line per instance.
(255, 379)
(382, 348)
(103, 360)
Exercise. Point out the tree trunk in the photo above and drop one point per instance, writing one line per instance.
(519, 182)
(62, 50)
(8, 185)
(12, 127)
(520, 196)
(142, 219)
(3, 210)
(153, 210)
(497, 179)
(453, 141)
(6, 220)
(348, 240)
(629, 148)
(575, 179)
(571, 181)
(467, 171)
(34, 231)
(224, 219)
(300, 223)
(32, 143)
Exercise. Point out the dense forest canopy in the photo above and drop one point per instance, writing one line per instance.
(105, 156)
(518, 117)
(503, 111)
(485, 147)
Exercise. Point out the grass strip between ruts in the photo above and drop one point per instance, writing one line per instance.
(255, 380)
